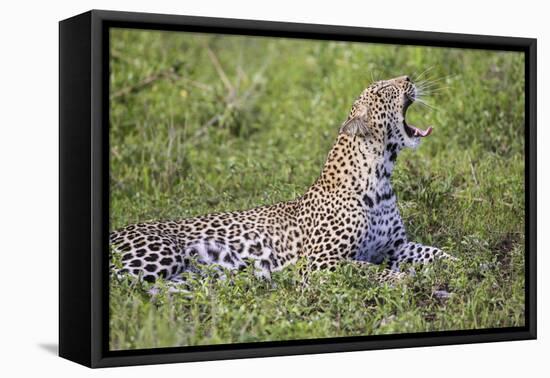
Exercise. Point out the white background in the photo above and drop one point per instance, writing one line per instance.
(29, 186)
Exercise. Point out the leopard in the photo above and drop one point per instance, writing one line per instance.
(349, 213)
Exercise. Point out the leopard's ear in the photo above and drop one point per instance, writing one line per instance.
(356, 125)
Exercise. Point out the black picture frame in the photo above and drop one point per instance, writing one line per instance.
(84, 189)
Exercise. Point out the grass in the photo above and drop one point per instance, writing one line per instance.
(205, 123)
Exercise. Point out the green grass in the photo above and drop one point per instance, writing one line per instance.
(205, 123)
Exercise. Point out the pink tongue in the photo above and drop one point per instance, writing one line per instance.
(420, 132)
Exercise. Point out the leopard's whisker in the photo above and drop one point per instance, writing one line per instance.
(427, 84)
(423, 73)
(424, 103)
(426, 91)
(431, 91)
(437, 80)
(437, 90)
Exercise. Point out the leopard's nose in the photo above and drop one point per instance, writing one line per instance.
(402, 78)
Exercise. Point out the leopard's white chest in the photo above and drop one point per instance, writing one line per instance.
(384, 227)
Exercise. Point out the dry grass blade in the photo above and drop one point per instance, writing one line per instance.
(219, 69)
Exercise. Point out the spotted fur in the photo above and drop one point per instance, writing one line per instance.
(349, 213)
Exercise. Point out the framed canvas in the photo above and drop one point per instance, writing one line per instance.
(235, 188)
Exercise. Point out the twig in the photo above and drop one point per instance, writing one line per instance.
(202, 130)
(232, 101)
(143, 83)
(168, 73)
(219, 70)
(195, 83)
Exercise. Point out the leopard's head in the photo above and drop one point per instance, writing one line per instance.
(378, 114)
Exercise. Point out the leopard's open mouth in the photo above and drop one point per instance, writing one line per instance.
(413, 131)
